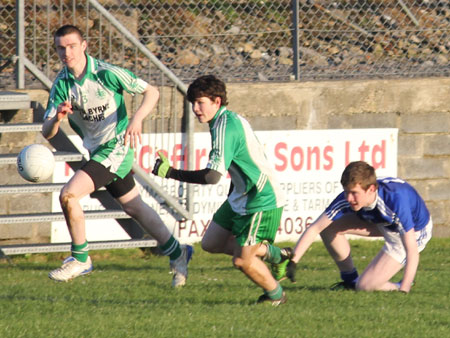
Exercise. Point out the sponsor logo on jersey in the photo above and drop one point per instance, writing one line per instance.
(96, 113)
(93, 114)
(100, 93)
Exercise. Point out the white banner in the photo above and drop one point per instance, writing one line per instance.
(309, 164)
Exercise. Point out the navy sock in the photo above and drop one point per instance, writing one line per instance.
(349, 277)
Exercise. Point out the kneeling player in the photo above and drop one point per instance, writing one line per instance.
(388, 207)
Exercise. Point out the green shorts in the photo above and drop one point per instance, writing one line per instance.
(249, 229)
(114, 156)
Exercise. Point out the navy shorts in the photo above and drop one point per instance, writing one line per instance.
(102, 177)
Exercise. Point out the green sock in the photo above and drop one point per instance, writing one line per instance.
(276, 293)
(80, 252)
(273, 254)
(171, 248)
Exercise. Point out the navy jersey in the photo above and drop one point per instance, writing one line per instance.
(398, 206)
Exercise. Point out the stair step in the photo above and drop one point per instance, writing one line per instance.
(30, 188)
(60, 156)
(20, 249)
(14, 100)
(59, 216)
(20, 127)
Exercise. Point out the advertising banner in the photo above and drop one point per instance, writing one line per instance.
(309, 164)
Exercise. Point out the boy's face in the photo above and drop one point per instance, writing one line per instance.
(359, 198)
(70, 49)
(205, 109)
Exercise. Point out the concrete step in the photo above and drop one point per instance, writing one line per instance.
(14, 100)
(30, 188)
(60, 156)
(20, 127)
(58, 216)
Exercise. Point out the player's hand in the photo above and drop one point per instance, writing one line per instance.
(162, 166)
(290, 271)
(404, 289)
(133, 134)
(63, 109)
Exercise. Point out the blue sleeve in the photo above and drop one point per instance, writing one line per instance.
(399, 204)
(407, 208)
(338, 208)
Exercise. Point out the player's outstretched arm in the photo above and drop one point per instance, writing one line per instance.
(304, 242)
(412, 260)
(51, 125)
(133, 134)
(162, 166)
(163, 169)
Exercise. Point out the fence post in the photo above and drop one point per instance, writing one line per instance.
(295, 39)
(20, 44)
(191, 155)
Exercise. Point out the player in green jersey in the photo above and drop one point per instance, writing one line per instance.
(246, 224)
(90, 93)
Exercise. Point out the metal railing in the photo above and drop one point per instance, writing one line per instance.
(167, 110)
(243, 41)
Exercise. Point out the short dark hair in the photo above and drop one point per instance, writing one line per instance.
(361, 173)
(207, 86)
(68, 29)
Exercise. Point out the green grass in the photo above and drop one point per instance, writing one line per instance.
(129, 295)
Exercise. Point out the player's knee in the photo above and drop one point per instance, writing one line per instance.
(240, 263)
(65, 198)
(206, 246)
(133, 207)
(329, 234)
(364, 285)
(237, 262)
(129, 209)
(210, 247)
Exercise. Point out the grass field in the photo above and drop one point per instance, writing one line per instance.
(129, 295)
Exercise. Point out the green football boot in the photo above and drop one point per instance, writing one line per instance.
(279, 270)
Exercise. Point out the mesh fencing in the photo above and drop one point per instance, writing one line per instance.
(243, 41)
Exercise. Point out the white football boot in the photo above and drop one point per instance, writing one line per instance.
(71, 269)
(179, 266)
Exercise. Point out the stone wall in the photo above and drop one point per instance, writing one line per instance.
(419, 108)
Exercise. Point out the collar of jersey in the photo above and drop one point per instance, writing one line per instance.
(89, 66)
(219, 112)
(373, 205)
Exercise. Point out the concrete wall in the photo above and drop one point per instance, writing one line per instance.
(419, 108)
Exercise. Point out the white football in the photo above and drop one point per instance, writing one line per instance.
(35, 163)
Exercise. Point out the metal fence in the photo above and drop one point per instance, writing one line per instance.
(243, 41)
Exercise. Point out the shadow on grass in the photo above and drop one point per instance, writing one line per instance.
(105, 266)
(169, 297)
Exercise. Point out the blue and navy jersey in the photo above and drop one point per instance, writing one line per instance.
(398, 206)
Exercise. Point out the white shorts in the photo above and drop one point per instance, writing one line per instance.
(394, 247)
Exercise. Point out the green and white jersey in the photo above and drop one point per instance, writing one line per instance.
(236, 149)
(99, 112)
